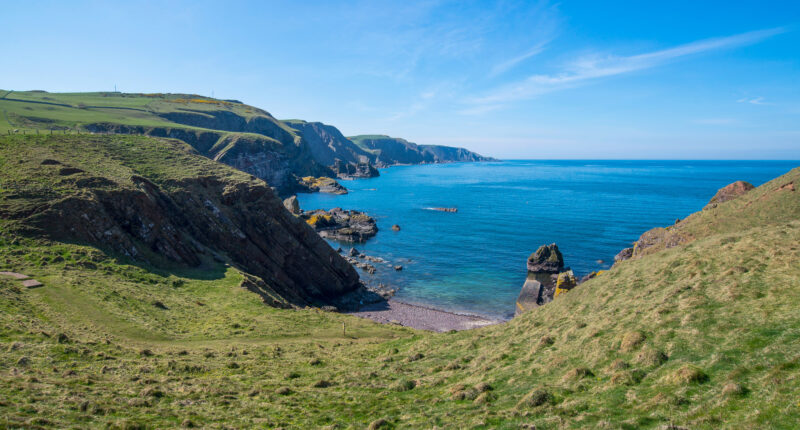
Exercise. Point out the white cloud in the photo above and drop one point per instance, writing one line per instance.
(753, 100)
(508, 64)
(593, 67)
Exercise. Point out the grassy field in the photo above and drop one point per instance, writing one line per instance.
(32, 112)
(702, 335)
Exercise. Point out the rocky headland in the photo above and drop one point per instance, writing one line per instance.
(660, 238)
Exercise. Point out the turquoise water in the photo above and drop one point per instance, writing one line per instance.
(474, 260)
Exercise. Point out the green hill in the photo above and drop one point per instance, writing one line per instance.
(228, 131)
(233, 133)
(702, 334)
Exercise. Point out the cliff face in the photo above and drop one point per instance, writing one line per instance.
(280, 164)
(447, 154)
(327, 144)
(155, 201)
(391, 150)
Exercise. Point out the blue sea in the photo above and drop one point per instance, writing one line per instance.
(473, 261)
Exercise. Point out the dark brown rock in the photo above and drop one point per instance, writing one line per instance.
(546, 259)
(623, 255)
(241, 221)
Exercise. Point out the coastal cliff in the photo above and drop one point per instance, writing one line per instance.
(388, 151)
(157, 202)
(242, 136)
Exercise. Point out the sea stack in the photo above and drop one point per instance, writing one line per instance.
(546, 278)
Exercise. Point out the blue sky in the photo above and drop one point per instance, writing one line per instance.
(508, 79)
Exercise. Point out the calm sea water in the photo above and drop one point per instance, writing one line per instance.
(474, 260)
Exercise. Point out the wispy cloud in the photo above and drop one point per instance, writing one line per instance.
(753, 100)
(508, 64)
(588, 68)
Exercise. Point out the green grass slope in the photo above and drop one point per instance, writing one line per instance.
(705, 334)
(237, 134)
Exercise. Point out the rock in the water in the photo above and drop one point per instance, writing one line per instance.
(322, 184)
(395, 227)
(353, 252)
(729, 192)
(546, 259)
(342, 225)
(623, 255)
(292, 205)
(398, 268)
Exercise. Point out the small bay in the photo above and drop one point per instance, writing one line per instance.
(473, 260)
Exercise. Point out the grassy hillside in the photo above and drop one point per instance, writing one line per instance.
(705, 334)
(240, 135)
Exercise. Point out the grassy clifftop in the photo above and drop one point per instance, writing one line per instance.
(236, 134)
(704, 334)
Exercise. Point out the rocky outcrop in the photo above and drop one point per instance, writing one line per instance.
(623, 255)
(544, 267)
(292, 205)
(322, 185)
(185, 220)
(342, 225)
(659, 238)
(729, 192)
(546, 259)
(346, 170)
